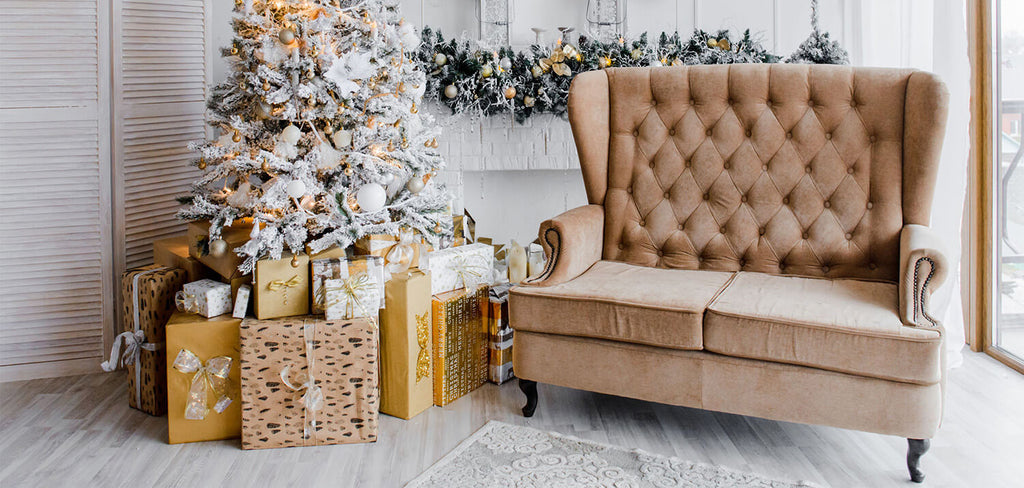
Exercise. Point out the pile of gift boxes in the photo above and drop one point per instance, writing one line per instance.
(308, 349)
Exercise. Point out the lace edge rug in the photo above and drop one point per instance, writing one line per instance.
(512, 456)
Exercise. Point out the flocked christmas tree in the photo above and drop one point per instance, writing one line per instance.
(321, 138)
(819, 48)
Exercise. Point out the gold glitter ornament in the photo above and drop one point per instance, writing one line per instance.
(202, 163)
(237, 137)
(295, 261)
(510, 92)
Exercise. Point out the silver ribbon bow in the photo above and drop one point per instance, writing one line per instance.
(212, 375)
(134, 341)
(313, 397)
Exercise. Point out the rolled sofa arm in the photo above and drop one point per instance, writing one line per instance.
(923, 267)
(573, 244)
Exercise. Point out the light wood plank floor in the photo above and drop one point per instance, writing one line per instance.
(79, 431)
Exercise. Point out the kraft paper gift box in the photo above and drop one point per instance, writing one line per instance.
(307, 381)
(203, 378)
(400, 252)
(226, 265)
(173, 253)
(499, 335)
(466, 266)
(205, 297)
(357, 290)
(148, 296)
(280, 289)
(405, 346)
(459, 343)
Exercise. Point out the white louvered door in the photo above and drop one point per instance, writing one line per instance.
(55, 203)
(161, 59)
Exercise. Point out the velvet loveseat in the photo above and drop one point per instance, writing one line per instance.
(756, 242)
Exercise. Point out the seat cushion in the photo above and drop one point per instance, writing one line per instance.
(622, 302)
(849, 326)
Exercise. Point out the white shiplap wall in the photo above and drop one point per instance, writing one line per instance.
(512, 176)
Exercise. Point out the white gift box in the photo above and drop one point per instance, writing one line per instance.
(241, 302)
(356, 288)
(209, 298)
(466, 266)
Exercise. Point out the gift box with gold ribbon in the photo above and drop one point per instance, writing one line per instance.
(348, 288)
(400, 252)
(307, 381)
(281, 286)
(203, 378)
(459, 343)
(466, 266)
(406, 373)
(148, 296)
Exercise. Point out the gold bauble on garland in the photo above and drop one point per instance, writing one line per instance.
(712, 42)
(724, 45)
(237, 137)
(486, 71)
(529, 101)
(510, 92)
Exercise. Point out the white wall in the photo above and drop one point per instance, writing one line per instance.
(514, 176)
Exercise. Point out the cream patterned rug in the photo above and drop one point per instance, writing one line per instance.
(505, 455)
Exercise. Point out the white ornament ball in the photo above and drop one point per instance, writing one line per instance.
(505, 63)
(296, 188)
(387, 179)
(440, 59)
(415, 185)
(371, 197)
(342, 138)
(218, 248)
(450, 91)
(291, 134)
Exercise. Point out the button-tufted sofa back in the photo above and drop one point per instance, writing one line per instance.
(794, 169)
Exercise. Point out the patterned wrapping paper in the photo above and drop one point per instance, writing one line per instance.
(281, 290)
(460, 343)
(459, 267)
(499, 335)
(283, 405)
(148, 296)
(206, 297)
(406, 371)
(341, 269)
(208, 341)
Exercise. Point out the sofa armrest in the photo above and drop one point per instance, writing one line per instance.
(573, 243)
(923, 267)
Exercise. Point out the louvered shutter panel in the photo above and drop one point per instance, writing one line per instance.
(161, 58)
(54, 206)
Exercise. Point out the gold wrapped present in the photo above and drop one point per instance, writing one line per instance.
(499, 335)
(226, 264)
(281, 286)
(307, 381)
(203, 380)
(399, 252)
(148, 295)
(460, 343)
(406, 381)
(173, 253)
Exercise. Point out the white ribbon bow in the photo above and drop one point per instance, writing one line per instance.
(313, 397)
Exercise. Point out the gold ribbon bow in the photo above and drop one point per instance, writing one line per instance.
(468, 272)
(352, 292)
(284, 285)
(186, 302)
(212, 375)
(312, 397)
(423, 341)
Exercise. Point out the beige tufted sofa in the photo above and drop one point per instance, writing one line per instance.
(756, 242)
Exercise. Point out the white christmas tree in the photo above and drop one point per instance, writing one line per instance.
(321, 137)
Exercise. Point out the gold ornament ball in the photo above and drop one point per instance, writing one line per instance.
(451, 91)
(712, 42)
(401, 87)
(237, 137)
(529, 101)
(510, 92)
(286, 36)
(724, 44)
(437, 228)
(328, 129)
(295, 261)
(414, 109)
(265, 167)
(637, 54)
(486, 71)
(266, 85)
(218, 247)
(202, 163)
(234, 50)
(536, 71)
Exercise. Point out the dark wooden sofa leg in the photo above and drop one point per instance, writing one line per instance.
(915, 449)
(529, 387)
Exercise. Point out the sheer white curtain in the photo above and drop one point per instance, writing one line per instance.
(932, 36)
